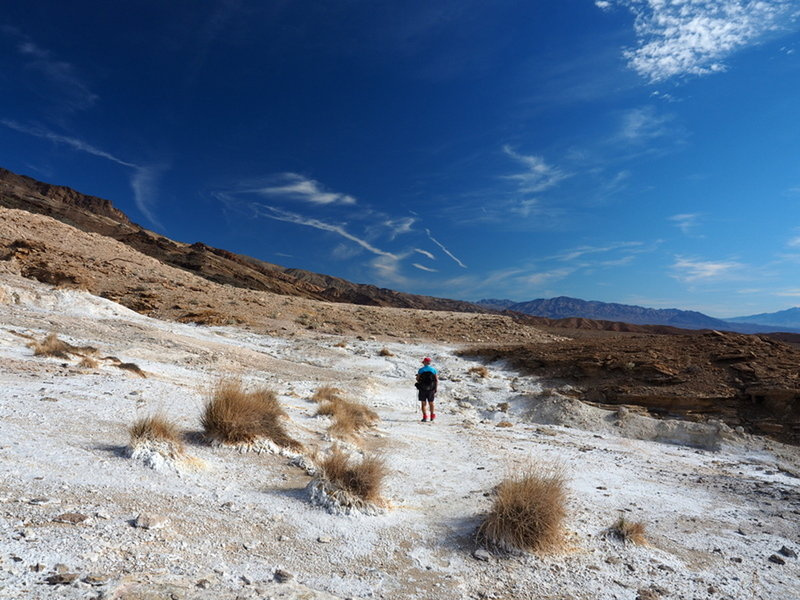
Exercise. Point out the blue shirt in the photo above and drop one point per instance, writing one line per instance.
(427, 369)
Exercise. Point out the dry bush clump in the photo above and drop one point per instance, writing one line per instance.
(132, 367)
(340, 344)
(233, 415)
(479, 371)
(87, 362)
(528, 513)
(155, 428)
(349, 418)
(627, 531)
(327, 393)
(51, 346)
(343, 485)
(385, 352)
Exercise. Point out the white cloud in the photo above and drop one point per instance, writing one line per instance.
(602, 4)
(445, 250)
(425, 253)
(422, 268)
(538, 175)
(789, 293)
(794, 242)
(642, 124)
(570, 255)
(694, 37)
(298, 187)
(143, 178)
(289, 217)
(538, 279)
(694, 270)
(685, 222)
(399, 226)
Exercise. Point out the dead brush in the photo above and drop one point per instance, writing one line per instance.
(87, 362)
(349, 418)
(235, 416)
(53, 346)
(156, 428)
(132, 367)
(362, 480)
(385, 352)
(327, 393)
(479, 371)
(627, 531)
(527, 514)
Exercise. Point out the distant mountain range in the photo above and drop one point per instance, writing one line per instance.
(564, 307)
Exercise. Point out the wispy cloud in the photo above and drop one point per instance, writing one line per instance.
(685, 222)
(789, 293)
(541, 278)
(301, 188)
(689, 270)
(290, 217)
(423, 268)
(399, 226)
(695, 37)
(794, 242)
(425, 253)
(70, 91)
(143, 178)
(644, 124)
(445, 250)
(538, 176)
(580, 251)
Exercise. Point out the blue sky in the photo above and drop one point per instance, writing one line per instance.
(634, 151)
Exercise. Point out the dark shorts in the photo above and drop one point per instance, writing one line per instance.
(426, 395)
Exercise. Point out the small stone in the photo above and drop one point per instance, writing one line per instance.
(787, 552)
(246, 580)
(44, 501)
(150, 521)
(283, 538)
(774, 558)
(203, 584)
(647, 594)
(61, 578)
(49, 399)
(282, 576)
(481, 554)
(736, 559)
(101, 514)
(61, 568)
(72, 518)
(38, 567)
(324, 539)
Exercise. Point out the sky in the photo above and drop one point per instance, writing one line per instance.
(635, 151)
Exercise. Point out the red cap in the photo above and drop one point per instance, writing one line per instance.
(426, 360)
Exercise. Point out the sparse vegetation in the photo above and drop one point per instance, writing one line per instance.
(87, 362)
(627, 531)
(155, 428)
(349, 418)
(528, 513)
(385, 352)
(478, 371)
(363, 479)
(233, 415)
(51, 346)
(132, 367)
(327, 393)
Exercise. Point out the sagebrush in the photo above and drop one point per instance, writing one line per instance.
(155, 428)
(628, 531)
(363, 479)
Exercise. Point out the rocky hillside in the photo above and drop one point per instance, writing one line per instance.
(96, 215)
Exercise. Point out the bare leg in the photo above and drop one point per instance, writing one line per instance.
(433, 410)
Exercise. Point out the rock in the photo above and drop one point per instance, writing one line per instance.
(48, 399)
(101, 514)
(774, 558)
(38, 567)
(72, 518)
(96, 580)
(787, 552)
(503, 406)
(44, 501)
(150, 521)
(61, 578)
(647, 594)
(282, 576)
(505, 424)
(203, 584)
(481, 554)
(324, 539)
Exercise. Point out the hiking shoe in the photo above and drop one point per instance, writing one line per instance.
(425, 419)
(433, 416)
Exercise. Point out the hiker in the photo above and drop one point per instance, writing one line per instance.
(427, 384)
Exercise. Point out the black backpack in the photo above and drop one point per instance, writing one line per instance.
(427, 381)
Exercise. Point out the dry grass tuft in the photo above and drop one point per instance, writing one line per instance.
(340, 344)
(349, 418)
(51, 346)
(479, 371)
(627, 531)
(528, 513)
(132, 367)
(363, 479)
(385, 352)
(87, 362)
(235, 416)
(327, 393)
(155, 428)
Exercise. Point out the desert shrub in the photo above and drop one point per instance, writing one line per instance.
(479, 371)
(385, 352)
(349, 418)
(340, 344)
(155, 428)
(132, 367)
(363, 479)
(51, 346)
(233, 415)
(87, 362)
(528, 512)
(327, 393)
(627, 531)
